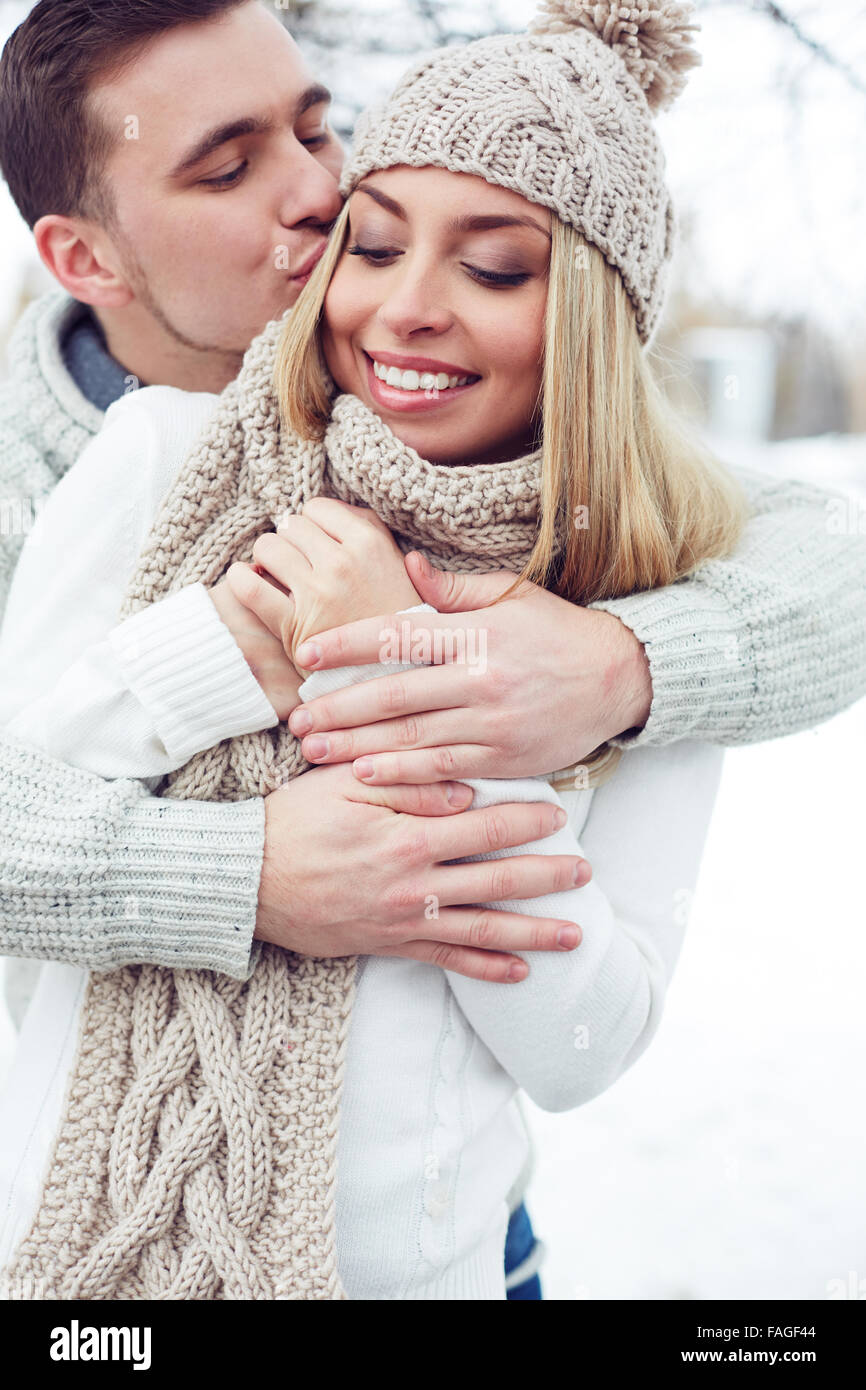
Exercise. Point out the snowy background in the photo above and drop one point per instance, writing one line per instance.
(728, 1163)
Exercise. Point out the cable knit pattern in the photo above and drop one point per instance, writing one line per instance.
(196, 1158)
(563, 115)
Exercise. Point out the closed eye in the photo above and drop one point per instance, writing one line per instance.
(228, 180)
(492, 278)
(498, 277)
(371, 254)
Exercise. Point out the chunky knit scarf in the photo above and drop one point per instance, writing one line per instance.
(195, 1158)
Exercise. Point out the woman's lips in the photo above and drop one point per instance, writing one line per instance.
(410, 402)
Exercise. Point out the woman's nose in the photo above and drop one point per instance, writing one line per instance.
(414, 303)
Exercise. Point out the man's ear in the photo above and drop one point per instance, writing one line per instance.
(80, 255)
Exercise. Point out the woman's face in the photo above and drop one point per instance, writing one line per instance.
(434, 316)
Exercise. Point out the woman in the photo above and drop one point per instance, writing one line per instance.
(207, 1167)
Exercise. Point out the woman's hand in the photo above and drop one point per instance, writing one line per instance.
(263, 651)
(527, 686)
(335, 563)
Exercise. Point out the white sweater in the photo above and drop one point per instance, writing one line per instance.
(431, 1139)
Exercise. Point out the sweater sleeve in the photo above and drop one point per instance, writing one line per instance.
(165, 684)
(101, 874)
(766, 642)
(581, 1018)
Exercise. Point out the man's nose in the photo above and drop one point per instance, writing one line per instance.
(311, 194)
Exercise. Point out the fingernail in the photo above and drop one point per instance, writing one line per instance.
(559, 818)
(578, 871)
(566, 937)
(363, 767)
(459, 795)
(517, 971)
(301, 722)
(308, 655)
(424, 564)
(317, 748)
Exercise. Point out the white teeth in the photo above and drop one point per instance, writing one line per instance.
(416, 381)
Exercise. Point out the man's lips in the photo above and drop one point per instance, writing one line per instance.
(307, 266)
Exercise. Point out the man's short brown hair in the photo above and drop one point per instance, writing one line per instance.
(53, 147)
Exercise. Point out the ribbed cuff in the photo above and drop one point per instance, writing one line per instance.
(181, 661)
(703, 680)
(101, 874)
(186, 878)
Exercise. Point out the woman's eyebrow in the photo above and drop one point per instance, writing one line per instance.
(485, 222)
(389, 204)
(480, 222)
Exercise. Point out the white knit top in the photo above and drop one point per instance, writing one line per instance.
(431, 1140)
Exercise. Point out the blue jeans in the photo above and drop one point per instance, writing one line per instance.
(519, 1243)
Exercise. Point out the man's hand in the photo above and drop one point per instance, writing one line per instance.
(352, 869)
(541, 683)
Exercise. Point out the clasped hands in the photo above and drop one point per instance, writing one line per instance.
(557, 681)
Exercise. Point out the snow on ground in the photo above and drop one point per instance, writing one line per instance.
(728, 1163)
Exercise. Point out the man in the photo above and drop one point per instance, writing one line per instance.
(180, 201)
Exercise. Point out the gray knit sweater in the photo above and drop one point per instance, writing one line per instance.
(767, 642)
(75, 851)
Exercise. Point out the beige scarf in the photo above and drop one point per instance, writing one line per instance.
(195, 1157)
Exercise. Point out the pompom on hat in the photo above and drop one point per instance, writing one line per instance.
(562, 114)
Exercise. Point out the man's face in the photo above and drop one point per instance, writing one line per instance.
(224, 176)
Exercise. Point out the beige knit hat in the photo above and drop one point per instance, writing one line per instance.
(562, 114)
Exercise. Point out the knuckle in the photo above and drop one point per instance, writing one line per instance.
(242, 581)
(564, 875)
(409, 732)
(402, 899)
(481, 930)
(496, 830)
(444, 762)
(262, 547)
(413, 847)
(507, 734)
(394, 695)
(500, 683)
(539, 936)
(443, 955)
(337, 647)
(502, 882)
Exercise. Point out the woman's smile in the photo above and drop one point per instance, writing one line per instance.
(405, 383)
(434, 316)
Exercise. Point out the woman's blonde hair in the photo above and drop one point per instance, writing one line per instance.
(630, 500)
